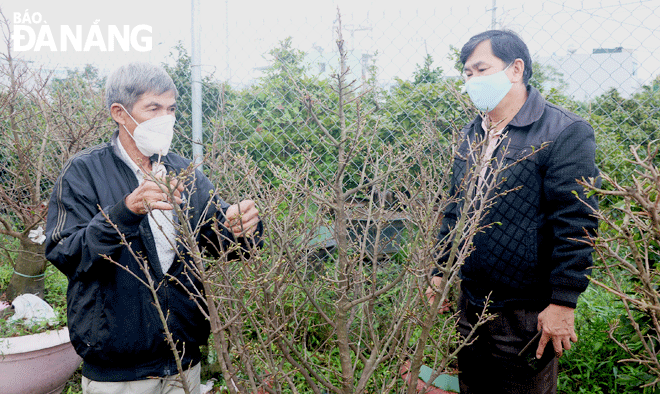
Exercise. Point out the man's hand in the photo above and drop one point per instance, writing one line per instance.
(558, 325)
(430, 293)
(242, 218)
(153, 195)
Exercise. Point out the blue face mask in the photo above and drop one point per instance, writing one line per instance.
(487, 91)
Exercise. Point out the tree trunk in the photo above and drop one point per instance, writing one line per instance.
(28, 277)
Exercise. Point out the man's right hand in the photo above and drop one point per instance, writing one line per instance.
(151, 195)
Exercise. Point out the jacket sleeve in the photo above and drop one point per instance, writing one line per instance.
(571, 157)
(77, 232)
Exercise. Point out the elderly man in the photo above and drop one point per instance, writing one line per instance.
(529, 262)
(113, 323)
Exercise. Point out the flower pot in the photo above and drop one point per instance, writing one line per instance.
(37, 364)
(443, 384)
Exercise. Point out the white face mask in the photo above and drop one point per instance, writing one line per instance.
(154, 136)
(488, 91)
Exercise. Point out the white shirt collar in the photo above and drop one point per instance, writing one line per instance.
(157, 166)
(485, 123)
(127, 159)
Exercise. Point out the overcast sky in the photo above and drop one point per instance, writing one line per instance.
(400, 32)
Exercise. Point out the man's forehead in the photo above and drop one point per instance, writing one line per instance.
(152, 98)
(482, 54)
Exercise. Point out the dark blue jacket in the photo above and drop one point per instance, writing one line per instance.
(531, 253)
(113, 323)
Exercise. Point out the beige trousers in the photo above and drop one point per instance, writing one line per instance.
(168, 385)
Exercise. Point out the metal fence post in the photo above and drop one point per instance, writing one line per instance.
(196, 83)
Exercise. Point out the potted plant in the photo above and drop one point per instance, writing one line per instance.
(36, 355)
(37, 364)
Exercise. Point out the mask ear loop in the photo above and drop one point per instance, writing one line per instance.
(128, 113)
(132, 118)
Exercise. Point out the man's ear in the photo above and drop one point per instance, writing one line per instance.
(118, 114)
(518, 69)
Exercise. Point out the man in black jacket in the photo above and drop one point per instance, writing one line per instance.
(529, 261)
(116, 189)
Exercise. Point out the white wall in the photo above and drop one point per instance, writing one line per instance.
(590, 75)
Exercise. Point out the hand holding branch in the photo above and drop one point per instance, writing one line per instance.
(242, 218)
(431, 292)
(154, 194)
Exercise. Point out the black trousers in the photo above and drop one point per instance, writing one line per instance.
(491, 364)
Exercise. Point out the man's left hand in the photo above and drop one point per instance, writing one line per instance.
(242, 218)
(558, 325)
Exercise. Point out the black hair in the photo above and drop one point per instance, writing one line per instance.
(506, 45)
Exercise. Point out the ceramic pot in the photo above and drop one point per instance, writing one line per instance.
(37, 364)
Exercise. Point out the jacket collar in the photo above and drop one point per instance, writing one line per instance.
(531, 111)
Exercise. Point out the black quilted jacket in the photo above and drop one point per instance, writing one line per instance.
(531, 255)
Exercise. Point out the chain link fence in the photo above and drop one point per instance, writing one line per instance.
(272, 97)
(269, 83)
(598, 59)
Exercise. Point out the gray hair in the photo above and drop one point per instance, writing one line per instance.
(127, 83)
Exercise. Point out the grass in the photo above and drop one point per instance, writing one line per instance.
(592, 366)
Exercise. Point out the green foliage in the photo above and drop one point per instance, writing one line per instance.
(8, 248)
(426, 74)
(592, 365)
(621, 124)
(547, 79)
(275, 125)
(429, 101)
(455, 56)
(10, 329)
